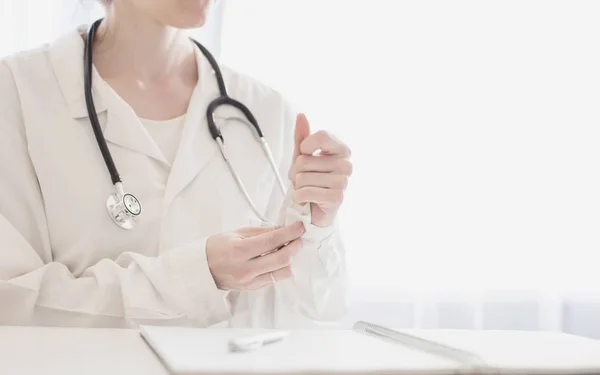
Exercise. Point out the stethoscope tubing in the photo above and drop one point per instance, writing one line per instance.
(91, 108)
(117, 206)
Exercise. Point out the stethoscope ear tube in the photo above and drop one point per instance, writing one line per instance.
(91, 108)
(124, 208)
(226, 100)
(216, 134)
(239, 183)
(269, 154)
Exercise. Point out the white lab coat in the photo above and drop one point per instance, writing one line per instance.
(64, 262)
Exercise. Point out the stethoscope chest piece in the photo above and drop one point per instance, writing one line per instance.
(124, 210)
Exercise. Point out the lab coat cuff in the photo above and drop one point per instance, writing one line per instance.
(313, 233)
(316, 239)
(208, 304)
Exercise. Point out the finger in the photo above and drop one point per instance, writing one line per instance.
(270, 278)
(255, 231)
(282, 273)
(276, 260)
(323, 180)
(301, 132)
(320, 196)
(272, 240)
(322, 163)
(326, 142)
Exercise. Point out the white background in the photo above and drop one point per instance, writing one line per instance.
(475, 129)
(474, 126)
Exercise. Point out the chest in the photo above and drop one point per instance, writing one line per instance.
(157, 100)
(196, 198)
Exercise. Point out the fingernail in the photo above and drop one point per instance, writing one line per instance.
(300, 226)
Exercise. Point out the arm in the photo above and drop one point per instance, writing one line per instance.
(316, 293)
(174, 288)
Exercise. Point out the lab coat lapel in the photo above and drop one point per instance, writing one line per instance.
(197, 147)
(124, 128)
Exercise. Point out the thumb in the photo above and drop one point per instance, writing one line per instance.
(301, 133)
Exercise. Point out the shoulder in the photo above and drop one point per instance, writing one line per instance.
(258, 96)
(7, 79)
(22, 89)
(48, 78)
(10, 104)
(11, 109)
(27, 77)
(242, 84)
(24, 66)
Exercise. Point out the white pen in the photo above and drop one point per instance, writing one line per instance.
(253, 342)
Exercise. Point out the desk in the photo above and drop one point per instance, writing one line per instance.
(75, 351)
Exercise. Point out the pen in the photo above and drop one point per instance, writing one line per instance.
(254, 342)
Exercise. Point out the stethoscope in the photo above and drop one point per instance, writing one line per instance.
(123, 207)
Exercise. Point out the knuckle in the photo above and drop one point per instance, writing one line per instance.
(342, 182)
(346, 181)
(271, 241)
(298, 194)
(241, 275)
(285, 273)
(301, 162)
(237, 246)
(347, 167)
(337, 197)
(236, 251)
(301, 179)
(323, 134)
(284, 258)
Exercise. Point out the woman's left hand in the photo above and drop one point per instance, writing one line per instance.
(319, 178)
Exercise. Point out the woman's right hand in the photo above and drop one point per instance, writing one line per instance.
(253, 257)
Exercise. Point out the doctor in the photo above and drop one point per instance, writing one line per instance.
(186, 248)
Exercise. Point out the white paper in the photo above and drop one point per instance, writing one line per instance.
(205, 351)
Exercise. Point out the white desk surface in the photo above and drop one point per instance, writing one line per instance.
(75, 351)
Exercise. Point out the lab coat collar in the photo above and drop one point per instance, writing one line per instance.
(123, 127)
(66, 55)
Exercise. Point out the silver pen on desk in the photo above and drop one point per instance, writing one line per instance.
(420, 343)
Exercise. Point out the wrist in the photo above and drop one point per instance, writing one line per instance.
(317, 229)
(325, 222)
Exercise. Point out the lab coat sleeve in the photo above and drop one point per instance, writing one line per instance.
(173, 288)
(316, 295)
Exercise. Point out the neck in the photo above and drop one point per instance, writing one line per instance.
(131, 44)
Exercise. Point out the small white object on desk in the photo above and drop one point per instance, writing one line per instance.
(253, 342)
